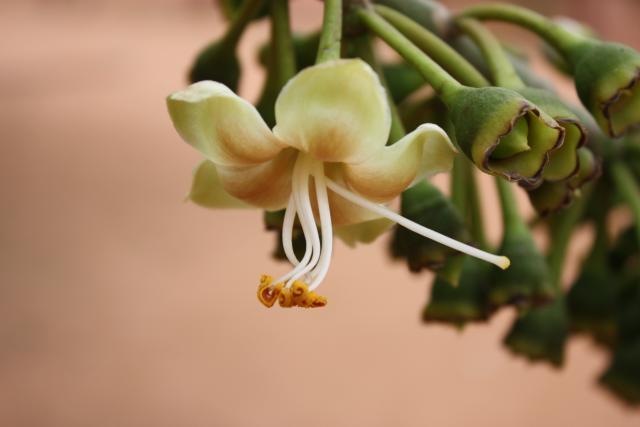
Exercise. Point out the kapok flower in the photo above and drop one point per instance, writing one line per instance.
(325, 161)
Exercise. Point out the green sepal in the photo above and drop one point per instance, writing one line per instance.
(466, 302)
(606, 78)
(540, 334)
(218, 62)
(622, 377)
(563, 162)
(273, 222)
(526, 282)
(491, 117)
(551, 197)
(427, 206)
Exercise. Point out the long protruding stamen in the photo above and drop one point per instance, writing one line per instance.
(287, 231)
(307, 252)
(500, 261)
(305, 213)
(326, 227)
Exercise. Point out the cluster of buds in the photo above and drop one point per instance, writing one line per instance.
(325, 150)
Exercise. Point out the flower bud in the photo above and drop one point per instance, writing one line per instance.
(606, 77)
(503, 133)
(526, 282)
(622, 377)
(218, 62)
(464, 302)
(540, 334)
(591, 303)
(551, 197)
(563, 162)
(427, 206)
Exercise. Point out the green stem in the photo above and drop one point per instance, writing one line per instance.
(435, 47)
(502, 70)
(629, 190)
(475, 208)
(513, 223)
(246, 13)
(364, 50)
(561, 234)
(443, 84)
(552, 33)
(331, 37)
(282, 43)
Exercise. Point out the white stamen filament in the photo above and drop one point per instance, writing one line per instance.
(314, 265)
(500, 261)
(326, 227)
(287, 231)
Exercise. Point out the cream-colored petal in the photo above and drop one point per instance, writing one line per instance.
(224, 127)
(364, 232)
(207, 190)
(267, 185)
(424, 152)
(336, 111)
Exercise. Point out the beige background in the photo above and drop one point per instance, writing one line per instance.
(122, 306)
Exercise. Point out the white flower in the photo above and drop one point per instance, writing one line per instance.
(325, 160)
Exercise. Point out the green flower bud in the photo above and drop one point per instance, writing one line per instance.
(503, 133)
(526, 282)
(427, 206)
(622, 377)
(606, 77)
(551, 197)
(540, 334)
(563, 162)
(591, 303)
(217, 62)
(466, 302)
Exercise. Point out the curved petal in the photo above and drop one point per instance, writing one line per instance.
(336, 111)
(267, 185)
(207, 190)
(224, 127)
(425, 151)
(364, 232)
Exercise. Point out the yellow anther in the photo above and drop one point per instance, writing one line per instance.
(286, 298)
(267, 293)
(318, 301)
(298, 292)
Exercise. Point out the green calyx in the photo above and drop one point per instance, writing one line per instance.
(503, 133)
(563, 161)
(551, 197)
(606, 77)
(465, 302)
(541, 333)
(427, 206)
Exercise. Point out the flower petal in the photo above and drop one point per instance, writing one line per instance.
(425, 151)
(207, 190)
(267, 185)
(224, 127)
(336, 111)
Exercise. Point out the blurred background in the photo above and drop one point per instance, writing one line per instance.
(120, 305)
